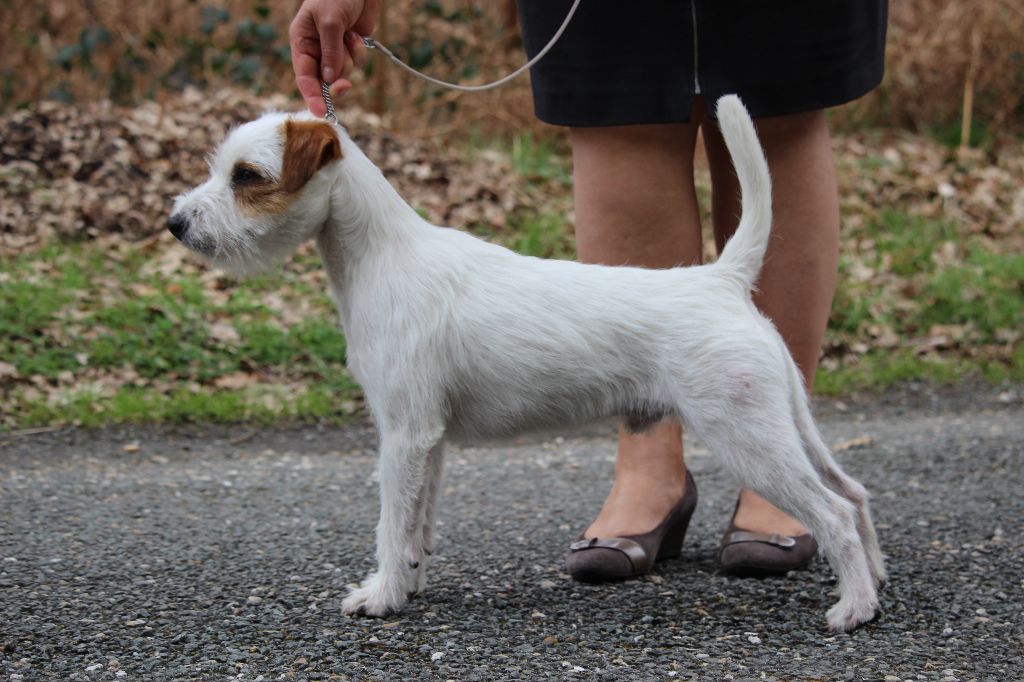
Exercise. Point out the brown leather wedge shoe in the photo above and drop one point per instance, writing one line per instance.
(756, 555)
(595, 560)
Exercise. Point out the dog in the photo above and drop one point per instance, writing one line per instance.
(452, 337)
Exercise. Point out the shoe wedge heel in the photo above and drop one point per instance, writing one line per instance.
(594, 560)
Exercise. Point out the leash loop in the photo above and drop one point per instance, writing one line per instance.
(374, 44)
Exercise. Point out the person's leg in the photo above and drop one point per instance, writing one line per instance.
(798, 279)
(635, 205)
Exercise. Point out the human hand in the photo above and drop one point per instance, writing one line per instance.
(326, 42)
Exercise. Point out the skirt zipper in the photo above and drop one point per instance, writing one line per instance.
(696, 78)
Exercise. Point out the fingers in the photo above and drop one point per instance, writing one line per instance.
(305, 47)
(308, 81)
(332, 47)
(364, 24)
(312, 94)
(356, 48)
(355, 57)
(347, 65)
(304, 40)
(324, 50)
(339, 88)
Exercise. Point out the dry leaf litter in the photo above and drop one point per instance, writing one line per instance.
(107, 173)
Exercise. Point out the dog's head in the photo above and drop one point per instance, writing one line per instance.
(268, 191)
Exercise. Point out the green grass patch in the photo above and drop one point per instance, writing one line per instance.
(92, 336)
(929, 281)
(879, 369)
(539, 159)
(909, 242)
(951, 134)
(262, 404)
(545, 173)
(978, 287)
(532, 158)
(985, 290)
(544, 236)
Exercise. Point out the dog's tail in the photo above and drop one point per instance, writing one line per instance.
(744, 252)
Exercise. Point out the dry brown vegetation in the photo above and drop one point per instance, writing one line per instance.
(103, 317)
(101, 169)
(71, 173)
(942, 55)
(950, 63)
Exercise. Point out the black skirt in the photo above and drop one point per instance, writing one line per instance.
(621, 63)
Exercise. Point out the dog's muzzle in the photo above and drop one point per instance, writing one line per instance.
(178, 225)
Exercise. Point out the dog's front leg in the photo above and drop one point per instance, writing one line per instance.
(426, 505)
(399, 539)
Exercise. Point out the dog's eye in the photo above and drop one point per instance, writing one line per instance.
(243, 175)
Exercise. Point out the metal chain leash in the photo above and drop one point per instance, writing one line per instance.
(325, 90)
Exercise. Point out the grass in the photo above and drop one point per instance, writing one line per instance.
(543, 172)
(954, 305)
(538, 159)
(531, 158)
(93, 339)
(544, 236)
(263, 404)
(981, 136)
(980, 287)
(877, 370)
(160, 326)
(985, 291)
(103, 332)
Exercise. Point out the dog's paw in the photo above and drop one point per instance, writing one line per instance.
(377, 596)
(848, 615)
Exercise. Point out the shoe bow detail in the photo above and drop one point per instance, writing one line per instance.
(634, 552)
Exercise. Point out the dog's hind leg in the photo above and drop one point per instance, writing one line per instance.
(403, 463)
(842, 484)
(832, 474)
(762, 446)
(426, 513)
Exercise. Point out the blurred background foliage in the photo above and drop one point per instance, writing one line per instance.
(952, 66)
(107, 109)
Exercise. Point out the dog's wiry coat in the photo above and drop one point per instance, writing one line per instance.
(451, 336)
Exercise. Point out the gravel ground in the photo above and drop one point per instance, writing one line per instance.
(216, 553)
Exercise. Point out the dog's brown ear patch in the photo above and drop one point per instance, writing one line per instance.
(308, 147)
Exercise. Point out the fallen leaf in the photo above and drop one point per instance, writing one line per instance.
(236, 381)
(854, 443)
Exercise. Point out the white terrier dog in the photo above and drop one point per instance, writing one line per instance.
(451, 336)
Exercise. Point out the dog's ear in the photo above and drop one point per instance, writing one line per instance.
(308, 147)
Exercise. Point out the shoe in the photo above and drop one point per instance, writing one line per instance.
(595, 560)
(756, 555)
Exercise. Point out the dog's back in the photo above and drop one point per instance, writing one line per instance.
(505, 366)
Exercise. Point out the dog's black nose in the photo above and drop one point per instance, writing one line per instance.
(178, 225)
